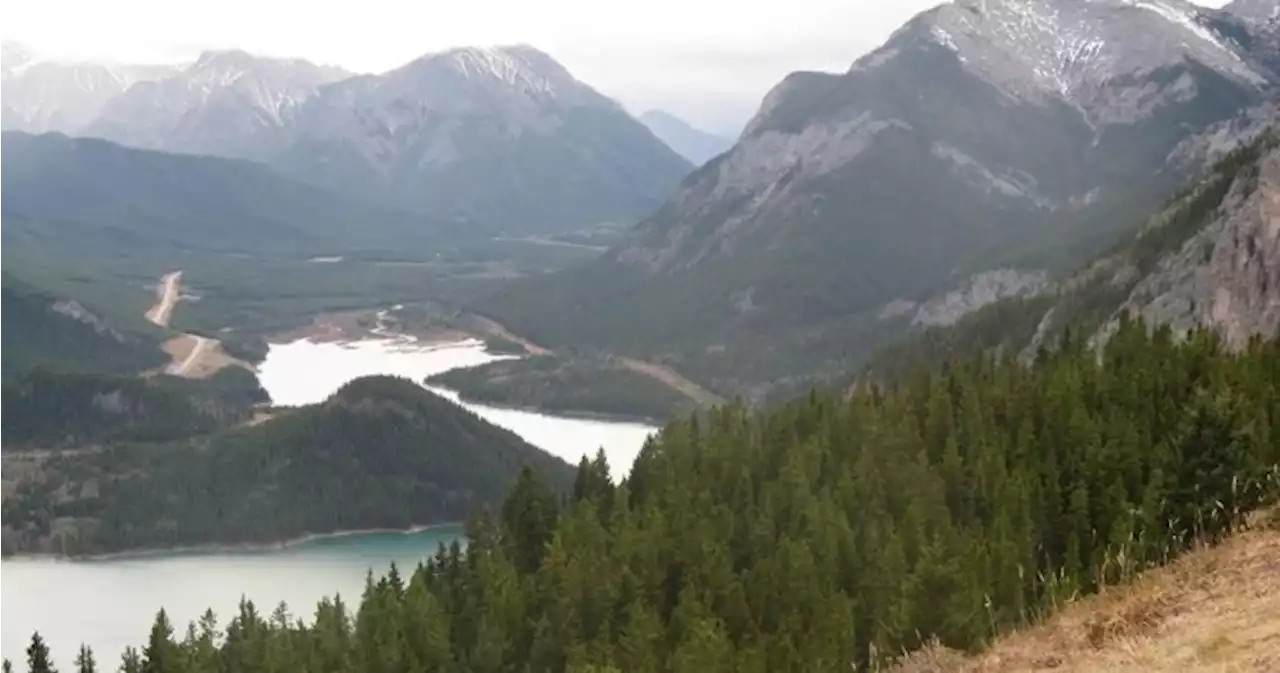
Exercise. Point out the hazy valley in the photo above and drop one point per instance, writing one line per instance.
(938, 346)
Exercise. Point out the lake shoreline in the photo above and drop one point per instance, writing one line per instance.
(633, 419)
(214, 549)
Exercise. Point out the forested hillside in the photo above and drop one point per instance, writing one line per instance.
(43, 330)
(380, 453)
(47, 410)
(828, 533)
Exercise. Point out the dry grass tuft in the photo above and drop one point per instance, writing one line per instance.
(1216, 609)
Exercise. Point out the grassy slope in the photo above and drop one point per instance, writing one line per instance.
(1215, 609)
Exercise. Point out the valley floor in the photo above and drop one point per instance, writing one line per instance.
(1216, 609)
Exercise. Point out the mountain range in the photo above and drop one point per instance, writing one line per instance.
(982, 135)
(694, 144)
(502, 139)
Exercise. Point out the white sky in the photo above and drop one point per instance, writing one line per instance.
(708, 61)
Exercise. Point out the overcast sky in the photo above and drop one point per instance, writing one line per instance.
(708, 61)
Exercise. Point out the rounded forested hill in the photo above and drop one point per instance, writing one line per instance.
(382, 452)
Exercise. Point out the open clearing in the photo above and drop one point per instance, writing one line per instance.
(192, 355)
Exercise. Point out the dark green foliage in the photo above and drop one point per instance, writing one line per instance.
(503, 346)
(380, 453)
(1004, 327)
(85, 662)
(97, 199)
(38, 656)
(832, 533)
(582, 384)
(75, 338)
(47, 409)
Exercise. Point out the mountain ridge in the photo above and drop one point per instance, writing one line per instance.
(932, 158)
(499, 139)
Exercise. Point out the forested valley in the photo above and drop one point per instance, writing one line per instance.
(836, 530)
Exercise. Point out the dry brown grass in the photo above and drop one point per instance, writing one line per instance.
(1215, 610)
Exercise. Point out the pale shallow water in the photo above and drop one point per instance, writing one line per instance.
(305, 372)
(110, 604)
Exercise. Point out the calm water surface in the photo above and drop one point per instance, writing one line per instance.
(110, 604)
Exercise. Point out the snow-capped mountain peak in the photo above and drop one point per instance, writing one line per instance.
(1033, 49)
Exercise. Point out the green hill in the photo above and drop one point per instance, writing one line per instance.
(380, 453)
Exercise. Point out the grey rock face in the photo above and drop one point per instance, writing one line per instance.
(43, 95)
(74, 310)
(228, 103)
(501, 138)
(980, 290)
(1226, 277)
(1042, 50)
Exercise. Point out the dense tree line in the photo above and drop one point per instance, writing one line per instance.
(582, 383)
(382, 452)
(73, 337)
(832, 531)
(51, 409)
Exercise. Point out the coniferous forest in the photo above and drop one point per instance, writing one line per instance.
(835, 530)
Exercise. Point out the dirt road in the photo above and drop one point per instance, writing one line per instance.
(185, 367)
(192, 356)
(166, 298)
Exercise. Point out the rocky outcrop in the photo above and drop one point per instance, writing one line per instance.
(980, 290)
(1227, 276)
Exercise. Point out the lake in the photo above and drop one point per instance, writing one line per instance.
(109, 604)
(306, 372)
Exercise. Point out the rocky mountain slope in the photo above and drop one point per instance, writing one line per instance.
(983, 133)
(1210, 258)
(42, 95)
(503, 139)
(228, 103)
(693, 144)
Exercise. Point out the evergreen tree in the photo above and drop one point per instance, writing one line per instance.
(84, 660)
(38, 660)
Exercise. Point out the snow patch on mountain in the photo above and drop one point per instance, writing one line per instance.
(1039, 50)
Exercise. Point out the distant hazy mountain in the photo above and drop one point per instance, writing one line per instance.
(693, 144)
(501, 139)
(982, 131)
(46, 95)
(504, 139)
(227, 103)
